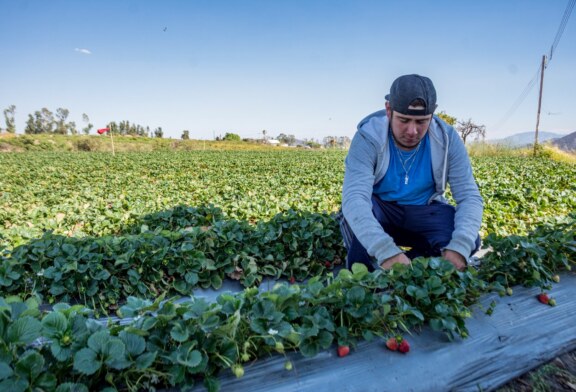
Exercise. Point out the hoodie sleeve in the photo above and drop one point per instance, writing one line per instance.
(357, 199)
(469, 203)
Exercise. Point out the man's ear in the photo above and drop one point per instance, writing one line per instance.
(388, 110)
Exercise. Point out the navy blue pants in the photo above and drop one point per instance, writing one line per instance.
(426, 230)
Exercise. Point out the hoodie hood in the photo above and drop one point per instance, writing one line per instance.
(375, 128)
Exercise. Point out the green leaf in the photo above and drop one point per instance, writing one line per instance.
(181, 286)
(46, 382)
(69, 249)
(54, 323)
(5, 371)
(71, 387)
(24, 330)
(14, 385)
(135, 345)
(367, 335)
(418, 314)
(57, 289)
(359, 269)
(30, 365)
(325, 339)
(216, 282)
(101, 275)
(411, 290)
(179, 332)
(114, 352)
(60, 353)
(145, 360)
(98, 340)
(436, 324)
(190, 359)
(85, 362)
(356, 295)
(191, 278)
(433, 282)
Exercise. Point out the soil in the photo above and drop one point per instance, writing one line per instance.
(555, 376)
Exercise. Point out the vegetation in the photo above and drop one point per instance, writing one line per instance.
(232, 137)
(447, 118)
(92, 234)
(468, 128)
(62, 143)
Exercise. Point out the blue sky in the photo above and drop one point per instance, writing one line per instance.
(309, 68)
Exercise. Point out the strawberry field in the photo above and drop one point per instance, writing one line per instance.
(84, 236)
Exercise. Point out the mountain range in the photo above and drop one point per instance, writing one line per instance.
(523, 139)
(566, 143)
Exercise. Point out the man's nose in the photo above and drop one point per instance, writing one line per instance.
(412, 128)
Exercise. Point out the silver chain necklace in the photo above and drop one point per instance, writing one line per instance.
(403, 162)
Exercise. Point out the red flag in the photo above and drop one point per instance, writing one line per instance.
(103, 130)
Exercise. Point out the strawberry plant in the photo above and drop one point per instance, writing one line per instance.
(106, 235)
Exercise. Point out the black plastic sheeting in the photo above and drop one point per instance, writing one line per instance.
(520, 335)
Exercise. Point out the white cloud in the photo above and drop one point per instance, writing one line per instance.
(83, 51)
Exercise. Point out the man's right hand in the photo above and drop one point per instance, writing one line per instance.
(399, 258)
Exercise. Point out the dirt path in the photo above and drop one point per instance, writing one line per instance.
(557, 375)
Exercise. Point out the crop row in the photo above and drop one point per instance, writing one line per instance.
(172, 252)
(96, 195)
(189, 248)
(164, 343)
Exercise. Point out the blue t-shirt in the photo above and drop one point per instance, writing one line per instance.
(411, 183)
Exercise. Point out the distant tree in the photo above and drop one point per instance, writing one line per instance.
(9, 116)
(468, 128)
(88, 126)
(232, 137)
(286, 139)
(41, 122)
(123, 127)
(133, 129)
(45, 119)
(330, 141)
(447, 118)
(185, 135)
(71, 127)
(141, 131)
(344, 141)
(114, 129)
(30, 126)
(62, 116)
(313, 144)
(158, 132)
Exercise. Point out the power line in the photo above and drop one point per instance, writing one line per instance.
(562, 26)
(532, 82)
(519, 100)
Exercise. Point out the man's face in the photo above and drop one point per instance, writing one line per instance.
(407, 130)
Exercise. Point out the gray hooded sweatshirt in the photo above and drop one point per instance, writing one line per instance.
(367, 163)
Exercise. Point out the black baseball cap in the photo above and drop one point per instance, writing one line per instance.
(406, 89)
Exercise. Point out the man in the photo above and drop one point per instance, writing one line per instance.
(397, 169)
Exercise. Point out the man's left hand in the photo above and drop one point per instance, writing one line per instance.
(457, 260)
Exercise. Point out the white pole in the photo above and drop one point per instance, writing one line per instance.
(112, 142)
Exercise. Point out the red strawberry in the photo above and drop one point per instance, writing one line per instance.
(404, 347)
(343, 351)
(328, 264)
(543, 297)
(392, 344)
(292, 280)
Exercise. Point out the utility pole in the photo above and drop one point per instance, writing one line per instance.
(539, 103)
